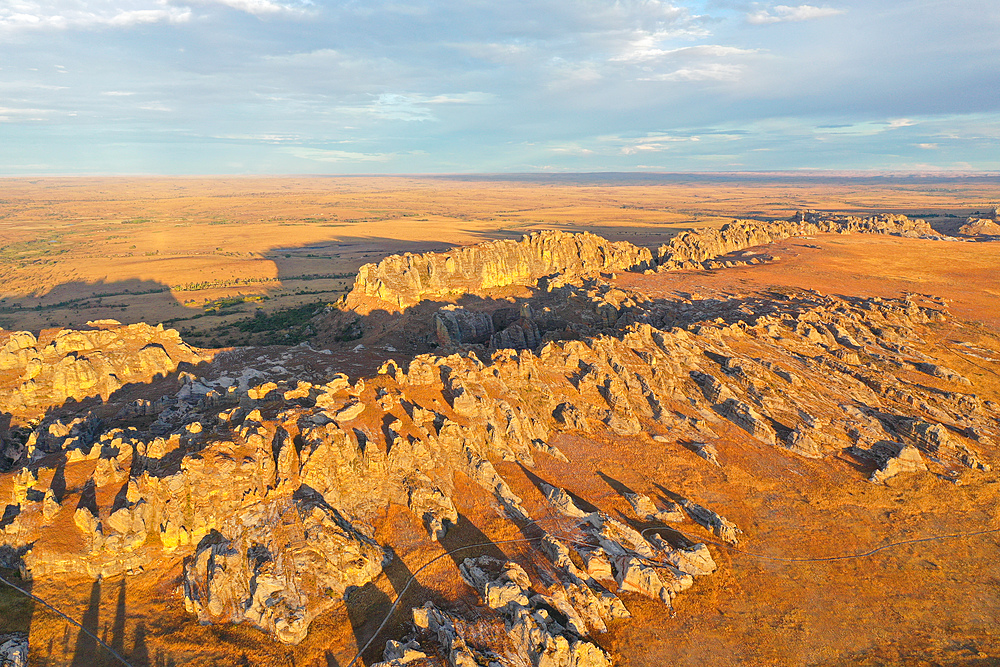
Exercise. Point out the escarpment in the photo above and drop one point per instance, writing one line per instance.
(403, 280)
(692, 249)
(272, 490)
(400, 281)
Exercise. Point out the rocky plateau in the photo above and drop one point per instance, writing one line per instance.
(267, 485)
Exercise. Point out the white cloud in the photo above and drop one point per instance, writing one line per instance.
(570, 149)
(654, 144)
(461, 98)
(262, 138)
(327, 155)
(692, 52)
(413, 107)
(392, 106)
(927, 147)
(782, 13)
(13, 114)
(865, 128)
(510, 53)
(64, 14)
(263, 7)
(143, 16)
(706, 72)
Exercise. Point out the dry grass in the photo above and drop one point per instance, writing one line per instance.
(166, 249)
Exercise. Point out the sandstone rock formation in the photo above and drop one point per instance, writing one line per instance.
(13, 650)
(76, 365)
(894, 458)
(695, 248)
(403, 280)
(983, 225)
(400, 281)
(282, 564)
(269, 486)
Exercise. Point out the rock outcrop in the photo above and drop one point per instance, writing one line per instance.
(14, 650)
(404, 280)
(83, 364)
(982, 225)
(400, 281)
(695, 248)
(278, 565)
(269, 488)
(894, 458)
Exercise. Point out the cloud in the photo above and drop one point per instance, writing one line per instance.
(462, 98)
(392, 106)
(413, 107)
(494, 86)
(688, 52)
(782, 13)
(143, 16)
(11, 114)
(263, 7)
(927, 147)
(704, 62)
(570, 149)
(654, 144)
(64, 14)
(865, 128)
(707, 72)
(67, 14)
(328, 155)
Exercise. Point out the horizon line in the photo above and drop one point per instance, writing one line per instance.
(836, 173)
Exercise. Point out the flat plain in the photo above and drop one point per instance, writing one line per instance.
(203, 255)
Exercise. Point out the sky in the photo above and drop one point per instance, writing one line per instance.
(472, 86)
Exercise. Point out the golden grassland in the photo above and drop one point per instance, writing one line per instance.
(203, 253)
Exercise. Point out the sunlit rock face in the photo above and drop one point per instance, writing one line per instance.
(84, 364)
(692, 249)
(278, 565)
(404, 280)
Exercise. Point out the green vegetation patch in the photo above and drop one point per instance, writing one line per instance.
(26, 251)
(286, 319)
(228, 302)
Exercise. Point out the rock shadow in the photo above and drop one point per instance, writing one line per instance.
(87, 652)
(117, 640)
(139, 657)
(540, 484)
(623, 490)
(367, 607)
(465, 540)
(16, 609)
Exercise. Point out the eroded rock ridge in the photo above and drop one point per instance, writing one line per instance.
(270, 491)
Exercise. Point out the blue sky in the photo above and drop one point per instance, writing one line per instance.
(405, 86)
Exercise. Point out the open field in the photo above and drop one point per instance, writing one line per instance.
(204, 254)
